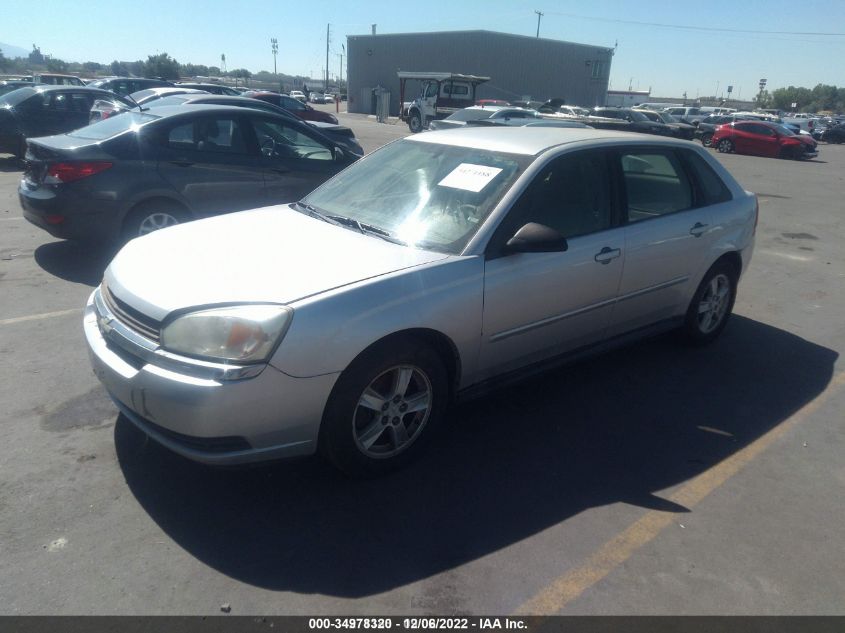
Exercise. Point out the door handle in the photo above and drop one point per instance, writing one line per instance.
(605, 255)
(698, 229)
(182, 163)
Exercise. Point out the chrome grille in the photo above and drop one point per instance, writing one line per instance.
(130, 317)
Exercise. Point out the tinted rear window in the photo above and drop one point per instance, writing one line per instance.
(710, 186)
(113, 126)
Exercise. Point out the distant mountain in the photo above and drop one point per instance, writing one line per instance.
(13, 51)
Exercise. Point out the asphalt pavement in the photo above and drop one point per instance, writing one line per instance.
(656, 479)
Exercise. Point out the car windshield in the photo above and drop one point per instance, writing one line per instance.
(638, 116)
(171, 100)
(666, 117)
(784, 131)
(113, 126)
(471, 115)
(424, 194)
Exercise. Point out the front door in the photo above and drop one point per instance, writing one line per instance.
(293, 162)
(538, 305)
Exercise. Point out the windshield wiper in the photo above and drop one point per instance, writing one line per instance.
(342, 220)
(367, 229)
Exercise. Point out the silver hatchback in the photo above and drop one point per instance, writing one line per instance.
(433, 269)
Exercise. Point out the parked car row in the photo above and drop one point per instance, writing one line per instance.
(29, 111)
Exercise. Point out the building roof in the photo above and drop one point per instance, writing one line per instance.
(480, 31)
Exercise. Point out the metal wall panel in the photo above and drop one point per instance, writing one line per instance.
(518, 65)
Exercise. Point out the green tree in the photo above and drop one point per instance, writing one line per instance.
(35, 57)
(4, 63)
(92, 67)
(56, 65)
(161, 65)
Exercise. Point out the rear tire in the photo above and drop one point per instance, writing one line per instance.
(385, 408)
(148, 217)
(711, 305)
(725, 146)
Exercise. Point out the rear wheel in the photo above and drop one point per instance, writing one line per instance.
(706, 139)
(384, 408)
(152, 216)
(725, 146)
(712, 304)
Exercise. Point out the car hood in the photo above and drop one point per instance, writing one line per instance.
(274, 255)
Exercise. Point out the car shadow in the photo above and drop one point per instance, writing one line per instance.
(616, 428)
(75, 261)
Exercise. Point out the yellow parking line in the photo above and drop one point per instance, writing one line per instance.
(616, 551)
(38, 317)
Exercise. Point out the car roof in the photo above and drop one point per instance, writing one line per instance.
(169, 110)
(530, 141)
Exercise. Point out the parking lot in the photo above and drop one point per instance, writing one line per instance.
(657, 479)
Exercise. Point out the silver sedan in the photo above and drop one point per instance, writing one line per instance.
(433, 269)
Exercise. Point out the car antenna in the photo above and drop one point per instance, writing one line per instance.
(140, 109)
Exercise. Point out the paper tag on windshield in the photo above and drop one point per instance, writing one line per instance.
(470, 177)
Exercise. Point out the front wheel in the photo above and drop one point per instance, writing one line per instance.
(706, 139)
(415, 123)
(384, 408)
(725, 146)
(711, 305)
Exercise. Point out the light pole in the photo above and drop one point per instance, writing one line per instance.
(340, 76)
(274, 46)
(540, 14)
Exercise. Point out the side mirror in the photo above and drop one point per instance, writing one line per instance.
(339, 155)
(536, 238)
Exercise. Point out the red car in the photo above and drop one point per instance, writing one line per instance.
(302, 110)
(761, 138)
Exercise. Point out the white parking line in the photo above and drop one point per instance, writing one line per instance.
(8, 219)
(38, 317)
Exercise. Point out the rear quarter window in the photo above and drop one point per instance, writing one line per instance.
(710, 188)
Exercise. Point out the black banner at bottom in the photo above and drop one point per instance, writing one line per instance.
(533, 624)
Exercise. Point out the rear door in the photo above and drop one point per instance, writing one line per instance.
(212, 162)
(293, 162)
(667, 235)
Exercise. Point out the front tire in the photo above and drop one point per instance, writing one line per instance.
(415, 123)
(706, 139)
(384, 408)
(711, 305)
(725, 146)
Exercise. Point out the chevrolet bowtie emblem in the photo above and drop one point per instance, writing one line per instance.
(105, 324)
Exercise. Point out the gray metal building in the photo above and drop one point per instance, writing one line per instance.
(519, 66)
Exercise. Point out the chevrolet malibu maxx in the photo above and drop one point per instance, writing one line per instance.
(433, 269)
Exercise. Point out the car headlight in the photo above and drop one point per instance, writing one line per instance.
(245, 333)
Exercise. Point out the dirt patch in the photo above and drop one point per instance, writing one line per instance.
(90, 409)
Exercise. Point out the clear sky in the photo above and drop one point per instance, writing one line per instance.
(667, 59)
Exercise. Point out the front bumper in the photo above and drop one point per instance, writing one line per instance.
(193, 408)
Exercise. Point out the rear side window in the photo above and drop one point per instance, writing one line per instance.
(710, 187)
(656, 184)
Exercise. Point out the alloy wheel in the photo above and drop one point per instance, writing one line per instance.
(714, 303)
(156, 221)
(392, 411)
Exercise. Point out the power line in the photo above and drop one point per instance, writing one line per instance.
(691, 27)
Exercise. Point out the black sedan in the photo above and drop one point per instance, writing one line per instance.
(679, 130)
(43, 111)
(132, 174)
(338, 134)
(834, 134)
(628, 120)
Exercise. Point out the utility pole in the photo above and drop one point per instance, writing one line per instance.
(328, 26)
(540, 14)
(340, 75)
(223, 62)
(274, 46)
